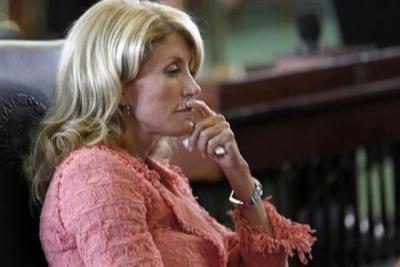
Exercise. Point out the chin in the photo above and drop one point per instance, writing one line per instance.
(179, 131)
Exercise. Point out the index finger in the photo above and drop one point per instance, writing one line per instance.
(200, 107)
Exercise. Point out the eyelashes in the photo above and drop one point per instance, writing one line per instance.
(174, 72)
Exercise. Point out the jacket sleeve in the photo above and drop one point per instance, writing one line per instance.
(250, 247)
(255, 248)
(104, 208)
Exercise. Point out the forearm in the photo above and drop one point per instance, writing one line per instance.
(243, 186)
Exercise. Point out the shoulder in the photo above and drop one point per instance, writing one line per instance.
(97, 164)
(98, 181)
(84, 158)
(94, 155)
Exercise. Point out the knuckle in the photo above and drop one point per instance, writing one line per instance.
(203, 135)
(220, 117)
(199, 124)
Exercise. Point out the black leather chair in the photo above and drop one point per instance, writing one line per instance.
(27, 75)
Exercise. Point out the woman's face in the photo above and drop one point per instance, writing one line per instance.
(163, 86)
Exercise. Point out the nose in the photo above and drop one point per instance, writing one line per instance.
(191, 88)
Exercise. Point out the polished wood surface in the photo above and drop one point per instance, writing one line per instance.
(326, 123)
(323, 73)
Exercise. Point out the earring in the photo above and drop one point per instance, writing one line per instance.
(127, 109)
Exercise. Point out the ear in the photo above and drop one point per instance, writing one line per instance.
(124, 92)
(124, 98)
(129, 94)
(127, 89)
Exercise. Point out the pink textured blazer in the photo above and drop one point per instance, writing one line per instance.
(105, 208)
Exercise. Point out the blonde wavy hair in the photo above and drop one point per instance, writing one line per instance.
(103, 51)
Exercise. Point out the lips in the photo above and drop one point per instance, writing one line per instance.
(184, 110)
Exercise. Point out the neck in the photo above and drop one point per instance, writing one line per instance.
(138, 143)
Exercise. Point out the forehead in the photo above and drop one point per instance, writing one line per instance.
(173, 46)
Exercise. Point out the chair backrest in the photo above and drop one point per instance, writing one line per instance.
(9, 30)
(27, 75)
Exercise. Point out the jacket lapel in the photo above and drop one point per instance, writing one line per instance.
(188, 214)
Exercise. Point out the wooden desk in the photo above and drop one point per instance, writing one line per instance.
(299, 128)
(324, 74)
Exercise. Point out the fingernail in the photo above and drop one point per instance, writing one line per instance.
(191, 123)
(189, 102)
(186, 144)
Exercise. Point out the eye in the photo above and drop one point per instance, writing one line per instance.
(172, 71)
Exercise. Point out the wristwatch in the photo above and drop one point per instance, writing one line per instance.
(256, 196)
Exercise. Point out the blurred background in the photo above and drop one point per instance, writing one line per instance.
(312, 91)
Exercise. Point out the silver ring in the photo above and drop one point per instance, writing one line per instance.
(219, 150)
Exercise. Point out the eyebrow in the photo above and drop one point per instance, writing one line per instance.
(174, 58)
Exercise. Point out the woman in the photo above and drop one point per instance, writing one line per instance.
(125, 85)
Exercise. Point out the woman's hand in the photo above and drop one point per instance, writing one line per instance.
(210, 131)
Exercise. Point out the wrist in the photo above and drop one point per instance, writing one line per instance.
(249, 200)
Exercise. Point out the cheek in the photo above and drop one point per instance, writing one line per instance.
(156, 103)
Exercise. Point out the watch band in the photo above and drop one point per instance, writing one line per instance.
(256, 196)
